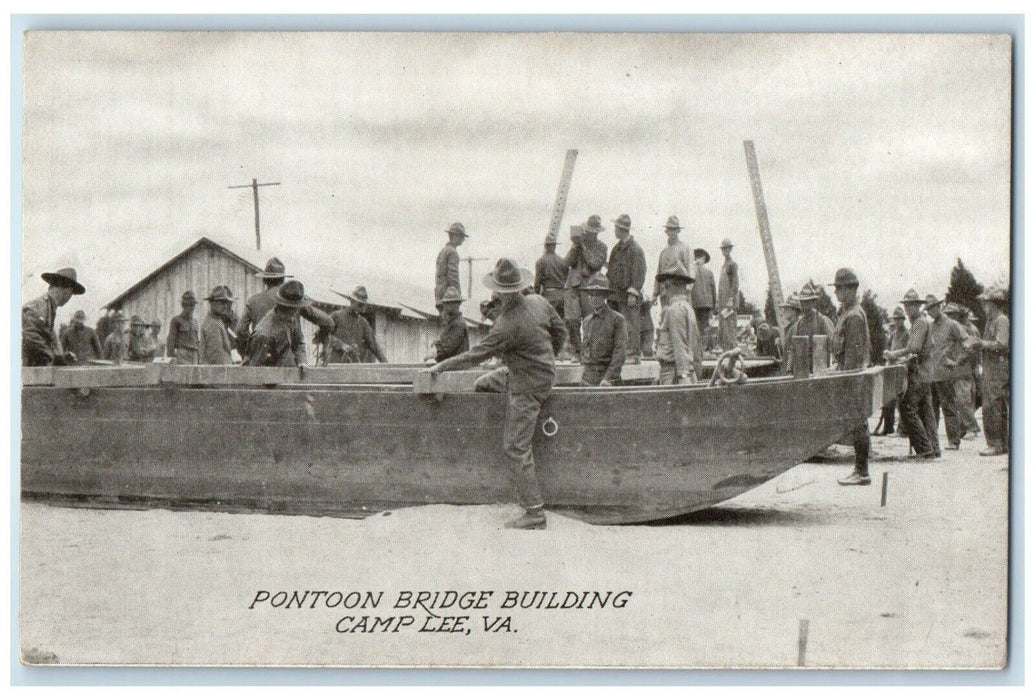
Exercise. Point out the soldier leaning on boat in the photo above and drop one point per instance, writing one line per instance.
(216, 344)
(277, 339)
(351, 339)
(116, 346)
(184, 335)
(453, 339)
(527, 335)
(140, 347)
(40, 344)
(81, 340)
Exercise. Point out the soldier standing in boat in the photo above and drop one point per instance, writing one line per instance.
(812, 321)
(526, 336)
(81, 340)
(447, 265)
(586, 257)
(551, 271)
(674, 251)
(453, 339)
(116, 347)
(216, 345)
(916, 411)
(140, 348)
(256, 308)
(995, 378)
(183, 340)
(851, 351)
(792, 312)
(352, 339)
(40, 344)
(729, 297)
(703, 295)
(277, 340)
(680, 350)
(604, 334)
(626, 272)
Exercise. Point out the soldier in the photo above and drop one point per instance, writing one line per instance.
(258, 305)
(453, 339)
(140, 348)
(526, 336)
(674, 251)
(917, 413)
(963, 377)
(729, 298)
(81, 340)
(897, 339)
(277, 340)
(352, 339)
(116, 348)
(551, 270)
(792, 313)
(183, 340)
(813, 322)
(995, 377)
(40, 345)
(947, 349)
(647, 328)
(604, 335)
(851, 351)
(679, 342)
(626, 272)
(447, 265)
(156, 329)
(586, 257)
(702, 295)
(215, 337)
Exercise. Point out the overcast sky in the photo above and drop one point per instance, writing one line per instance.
(886, 153)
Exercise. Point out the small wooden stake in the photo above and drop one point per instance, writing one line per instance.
(803, 640)
(884, 490)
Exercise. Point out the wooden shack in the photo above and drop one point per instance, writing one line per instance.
(403, 316)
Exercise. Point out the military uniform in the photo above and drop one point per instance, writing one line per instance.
(352, 330)
(966, 372)
(672, 253)
(40, 346)
(453, 339)
(277, 342)
(116, 347)
(141, 347)
(995, 382)
(551, 271)
(703, 296)
(604, 333)
(917, 411)
(183, 342)
(83, 341)
(947, 339)
(585, 258)
(729, 292)
(215, 341)
(447, 270)
(626, 272)
(256, 308)
(680, 351)
(851, 351)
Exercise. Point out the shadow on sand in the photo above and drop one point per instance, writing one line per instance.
(739, 516)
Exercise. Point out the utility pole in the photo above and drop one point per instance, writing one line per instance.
(255, 196)
(775, 289)
(470, 272)
(561, 200)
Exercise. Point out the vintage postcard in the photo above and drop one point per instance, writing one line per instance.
(515, 350)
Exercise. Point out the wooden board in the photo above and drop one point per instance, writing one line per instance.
(116, 375)
(37, 376)
(566, 375)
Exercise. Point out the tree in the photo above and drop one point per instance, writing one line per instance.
(964, 290)
(746, 307)
(824, 305)
(770, 311)
(876, 317)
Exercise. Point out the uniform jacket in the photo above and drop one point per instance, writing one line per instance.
(626, 270)
(995, 361)
(729, 284)
(947, 348)
(350, 328)
(551, 271)
(703, 295)
(851, 344)
(140, 348)
(40, 346)
(215, 342)
(116, 347)
(277, 342)
(679, 340)
(526, 336)
(670, 254)
(603, 341)
(83, 341)
(585, 258)
(256, 308)
(898, 339)
(453, 339)
(183, 334)
(921, 368)
(447, 270)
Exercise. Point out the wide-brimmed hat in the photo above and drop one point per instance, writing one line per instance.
(623, 222)
(675, 272)
(726, 243)
(808, 293)
(80, 314)
(791, 303)
(673, 224)
(993, 293)
(593, 225)
(596, 284)
(274, 270)
(65, 277)
(292, 295)
(457, 228)
(188, 298)
(845, 277)
(702, 253)
(931, 300)
(508, 277)
(899, 313)
(221, 293)
(911, 297)
(137, 321)
(359, 295)
(451, 295)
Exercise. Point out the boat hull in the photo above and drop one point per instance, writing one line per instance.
(619, 455)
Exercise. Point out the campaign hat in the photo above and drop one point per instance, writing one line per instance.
(673, 224)
(726, 243)
(593, 225)
(359, 294)
(65, 277)
(702, 253)
(623, 222)
(845, 277)
(508, 277)
(221, 293)
(675, 272)
(808, 293)
(911, 297)
(457, 228)
(188, 298)
(274, 270)
(596, 284)
(451, 295)
(292, 295)
(899, 313)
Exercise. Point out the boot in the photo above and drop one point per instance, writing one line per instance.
(533, 519)
(856, 478)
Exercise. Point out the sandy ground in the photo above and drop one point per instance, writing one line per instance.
(921, 582)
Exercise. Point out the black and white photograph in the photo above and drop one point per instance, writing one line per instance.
(515, 350)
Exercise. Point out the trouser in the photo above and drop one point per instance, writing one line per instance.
(522, 416)
(668, 373)
(556, 298)
(995, 411)
(631, 313)
(887, 420)
(646, 331)
(943, 401)
(965, 403)
(860, 438)
(576, 308)
(728, 332)
(186, 356)
(704, 315)
(493, 382)
(918, 416)
(592, 375)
